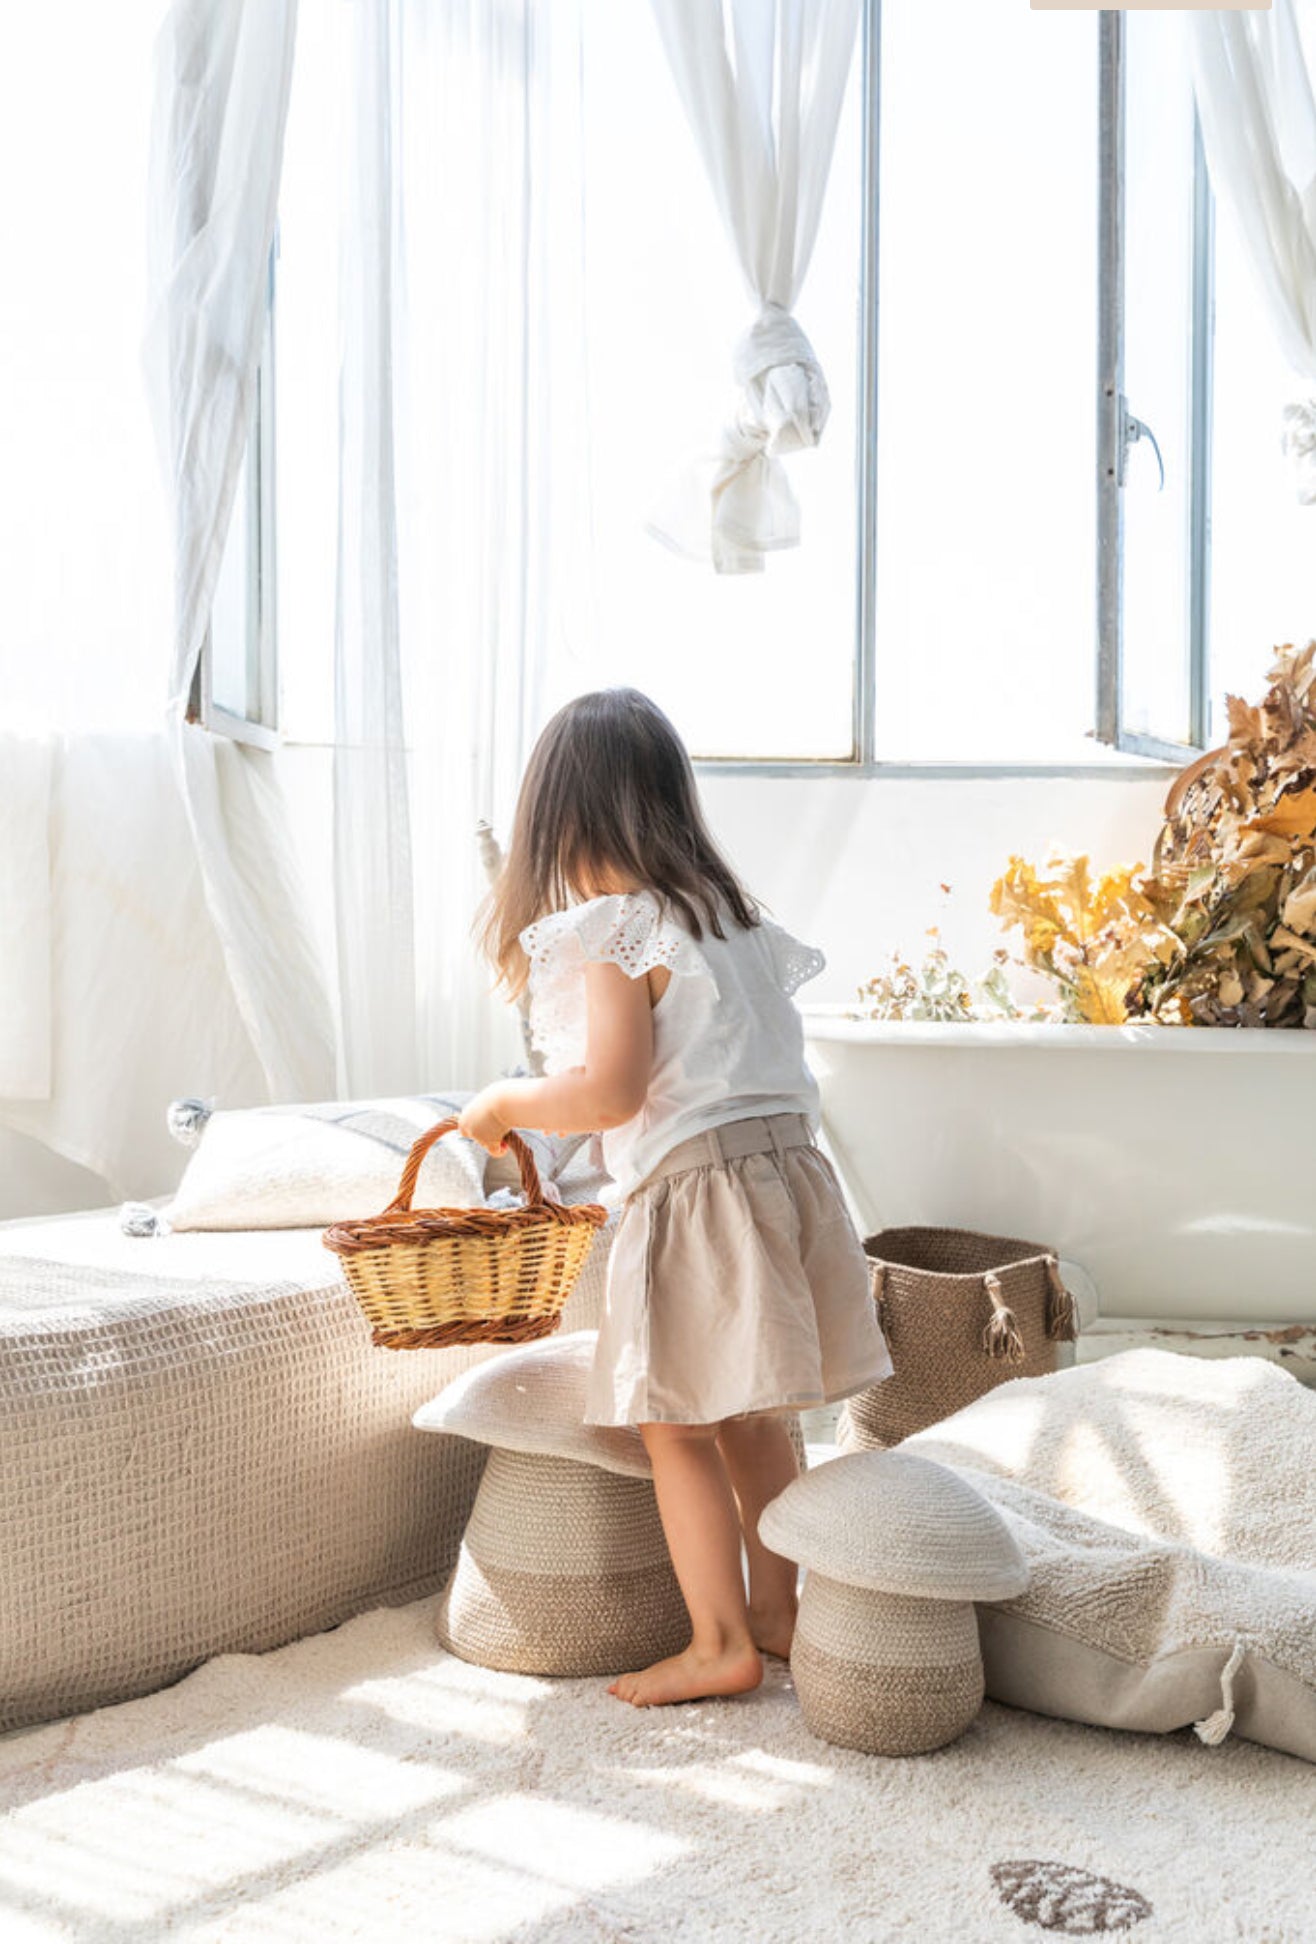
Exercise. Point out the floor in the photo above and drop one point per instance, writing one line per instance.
(361, 1785)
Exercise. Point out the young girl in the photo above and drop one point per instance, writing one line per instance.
(737, 1288)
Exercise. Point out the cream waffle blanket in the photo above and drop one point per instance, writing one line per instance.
(204, 1454)
(1167, 1508)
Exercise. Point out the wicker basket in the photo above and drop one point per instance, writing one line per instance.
(961, 1313)
(429, 1277)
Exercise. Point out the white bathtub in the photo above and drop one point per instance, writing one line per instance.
(1177, 1167)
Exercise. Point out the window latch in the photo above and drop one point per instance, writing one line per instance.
(1132, 429)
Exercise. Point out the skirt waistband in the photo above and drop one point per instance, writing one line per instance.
(764, 1134)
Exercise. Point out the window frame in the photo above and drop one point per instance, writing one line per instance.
(1117, 752)
(1131, 755)
(1113, 423)
(260, 726)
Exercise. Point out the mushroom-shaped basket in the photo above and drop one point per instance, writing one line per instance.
(563, 1568)
(886, 1655)
(429, 1277)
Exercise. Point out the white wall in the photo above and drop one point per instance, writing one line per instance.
(855, 865)
(851, 865)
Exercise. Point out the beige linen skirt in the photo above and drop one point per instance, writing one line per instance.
(736, 1284)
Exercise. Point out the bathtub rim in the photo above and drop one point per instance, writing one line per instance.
(836, 1023)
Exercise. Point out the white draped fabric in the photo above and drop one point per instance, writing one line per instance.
(1258, 119)
(459, 469)
(762, 82)
(25, 917)
(115, 995)
(141, 1009)
(223, 69)
(373, 901)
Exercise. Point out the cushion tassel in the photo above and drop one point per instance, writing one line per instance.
(1216, 1726)
(1001, 1337)
(1060, 1318)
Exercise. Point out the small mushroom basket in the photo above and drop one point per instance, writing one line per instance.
(430, 1277)
(897, 1549)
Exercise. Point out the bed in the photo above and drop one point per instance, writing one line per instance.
(205, 1454)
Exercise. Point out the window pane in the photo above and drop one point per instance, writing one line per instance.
(1158, 271)
(306, 391)
(754, 665)
(986, 412)
(1263, 544)
(232, 644)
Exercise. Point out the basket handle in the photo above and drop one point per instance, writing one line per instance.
(531, 1185)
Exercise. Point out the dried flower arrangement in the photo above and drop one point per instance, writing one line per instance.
(1221, 931)
(1093, 941)
(935, 990)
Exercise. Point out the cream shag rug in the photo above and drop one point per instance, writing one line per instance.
(363, 1785)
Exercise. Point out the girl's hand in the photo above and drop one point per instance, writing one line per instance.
(485, 1120)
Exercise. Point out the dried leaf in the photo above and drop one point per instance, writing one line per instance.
(1294, 815)
(1299, 908)
(1244, 720)
(1222, 929)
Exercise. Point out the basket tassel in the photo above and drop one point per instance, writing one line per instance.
(877, 1281)
(1061, 1320)
(1001, 1337)
(1216, 1726)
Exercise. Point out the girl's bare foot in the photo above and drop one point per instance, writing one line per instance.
(691, 1677)
(773, 1629)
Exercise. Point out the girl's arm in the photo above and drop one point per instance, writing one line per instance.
(606, 1091)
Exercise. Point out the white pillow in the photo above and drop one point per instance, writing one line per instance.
(552, 1153)
(331, 1161)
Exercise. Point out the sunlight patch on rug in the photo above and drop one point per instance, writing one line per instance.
(362, 1786)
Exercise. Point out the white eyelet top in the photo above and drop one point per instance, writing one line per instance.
(728, 1043)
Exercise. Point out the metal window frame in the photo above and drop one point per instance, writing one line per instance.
(1146, 758)
(260, 726)
(1111, 420)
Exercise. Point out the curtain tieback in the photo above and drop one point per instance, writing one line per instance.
(736, 504)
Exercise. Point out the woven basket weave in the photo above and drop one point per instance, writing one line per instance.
(884, 1673)
(564, 1570)
(961, 1313)
(430, 1277)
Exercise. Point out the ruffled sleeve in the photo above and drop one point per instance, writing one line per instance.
(794, 964)
(629, 930)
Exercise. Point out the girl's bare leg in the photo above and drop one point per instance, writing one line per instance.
(702, 1529)
(761, 1460)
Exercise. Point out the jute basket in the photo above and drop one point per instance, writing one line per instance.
(961, 1313)
(883, 1672)
(563, 1570)
(429, 1277)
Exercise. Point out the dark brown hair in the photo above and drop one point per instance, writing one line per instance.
(609, 791)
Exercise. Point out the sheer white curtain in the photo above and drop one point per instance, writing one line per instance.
(762, 82)
(373, 879)
(223, 69)
(460, 496)
(1258, 118)
(114, 991)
